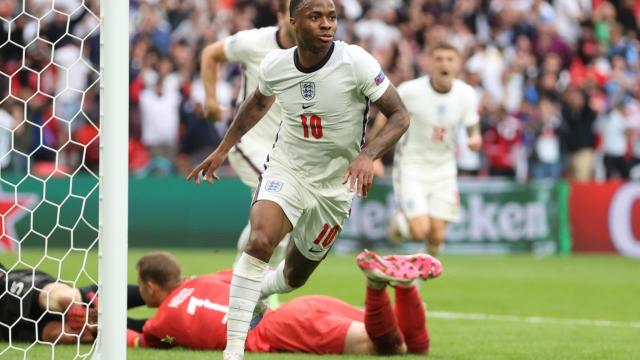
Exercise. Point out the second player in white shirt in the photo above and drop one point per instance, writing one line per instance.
(424, 169)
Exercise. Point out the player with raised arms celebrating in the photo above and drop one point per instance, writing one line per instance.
(248, 48)
(193, 313)
(424, 170)
(324, 88)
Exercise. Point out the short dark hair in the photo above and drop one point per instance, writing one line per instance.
(293, 6)
(443, 45)
(161, 268)
(282, 6)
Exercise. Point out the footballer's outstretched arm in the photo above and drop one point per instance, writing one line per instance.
(361, 169)
(474, 141)
(212, 58)
(251, 111)
(378, 124)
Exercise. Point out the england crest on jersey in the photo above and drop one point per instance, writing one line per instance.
(308, 90)
(273, 186)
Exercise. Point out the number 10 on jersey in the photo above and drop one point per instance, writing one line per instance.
(315, 123)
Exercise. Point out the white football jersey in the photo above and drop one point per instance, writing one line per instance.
(324, 109)
(248, 48)
(427, 149)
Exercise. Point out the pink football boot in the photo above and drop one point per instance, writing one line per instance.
(427, 266)
(379, 269)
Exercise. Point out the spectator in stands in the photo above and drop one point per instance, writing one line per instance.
(159, 111)
(614, 128)
(200, 135)
(632, 111)
(72, 81)
(518, 51)
(7, 124)
(579, 118)
(502, 143)
(547, 152)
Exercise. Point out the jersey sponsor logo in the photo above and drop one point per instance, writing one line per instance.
(273, 186)
(380, 78)
(306, 106)
(308, 90)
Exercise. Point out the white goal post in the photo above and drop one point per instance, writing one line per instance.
(63, 192)
(113, 208)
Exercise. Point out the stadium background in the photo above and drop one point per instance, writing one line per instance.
(559, 86)
(558, 82)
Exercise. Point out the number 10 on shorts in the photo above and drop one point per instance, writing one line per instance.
(326, 236)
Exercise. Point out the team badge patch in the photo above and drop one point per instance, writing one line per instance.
(380, 78)
(273, 186)
(308, 90)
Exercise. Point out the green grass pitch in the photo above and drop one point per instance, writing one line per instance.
(484, 307)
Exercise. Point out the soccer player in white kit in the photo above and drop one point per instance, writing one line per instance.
(248, 48)
(424, 170)
(318, 159)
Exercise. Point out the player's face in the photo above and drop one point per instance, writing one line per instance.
(315, 25)
(444, 66)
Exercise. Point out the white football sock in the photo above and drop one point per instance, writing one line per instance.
(435, 250)
(275, 283)
(243, 296)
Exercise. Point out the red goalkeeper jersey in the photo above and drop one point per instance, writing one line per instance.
(195, 316)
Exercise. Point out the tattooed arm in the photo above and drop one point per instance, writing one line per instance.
(250, 112)
(361, 169)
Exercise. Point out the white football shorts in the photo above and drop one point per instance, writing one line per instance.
(438, 198)
(317, 214)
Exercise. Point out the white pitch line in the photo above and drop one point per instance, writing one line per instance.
(531, 319)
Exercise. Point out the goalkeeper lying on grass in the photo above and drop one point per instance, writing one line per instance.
(34, 306)
(193, 313)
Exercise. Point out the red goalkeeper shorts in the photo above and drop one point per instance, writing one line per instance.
(308, 324)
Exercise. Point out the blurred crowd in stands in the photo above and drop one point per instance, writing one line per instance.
(49, 110)
(559, 80)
